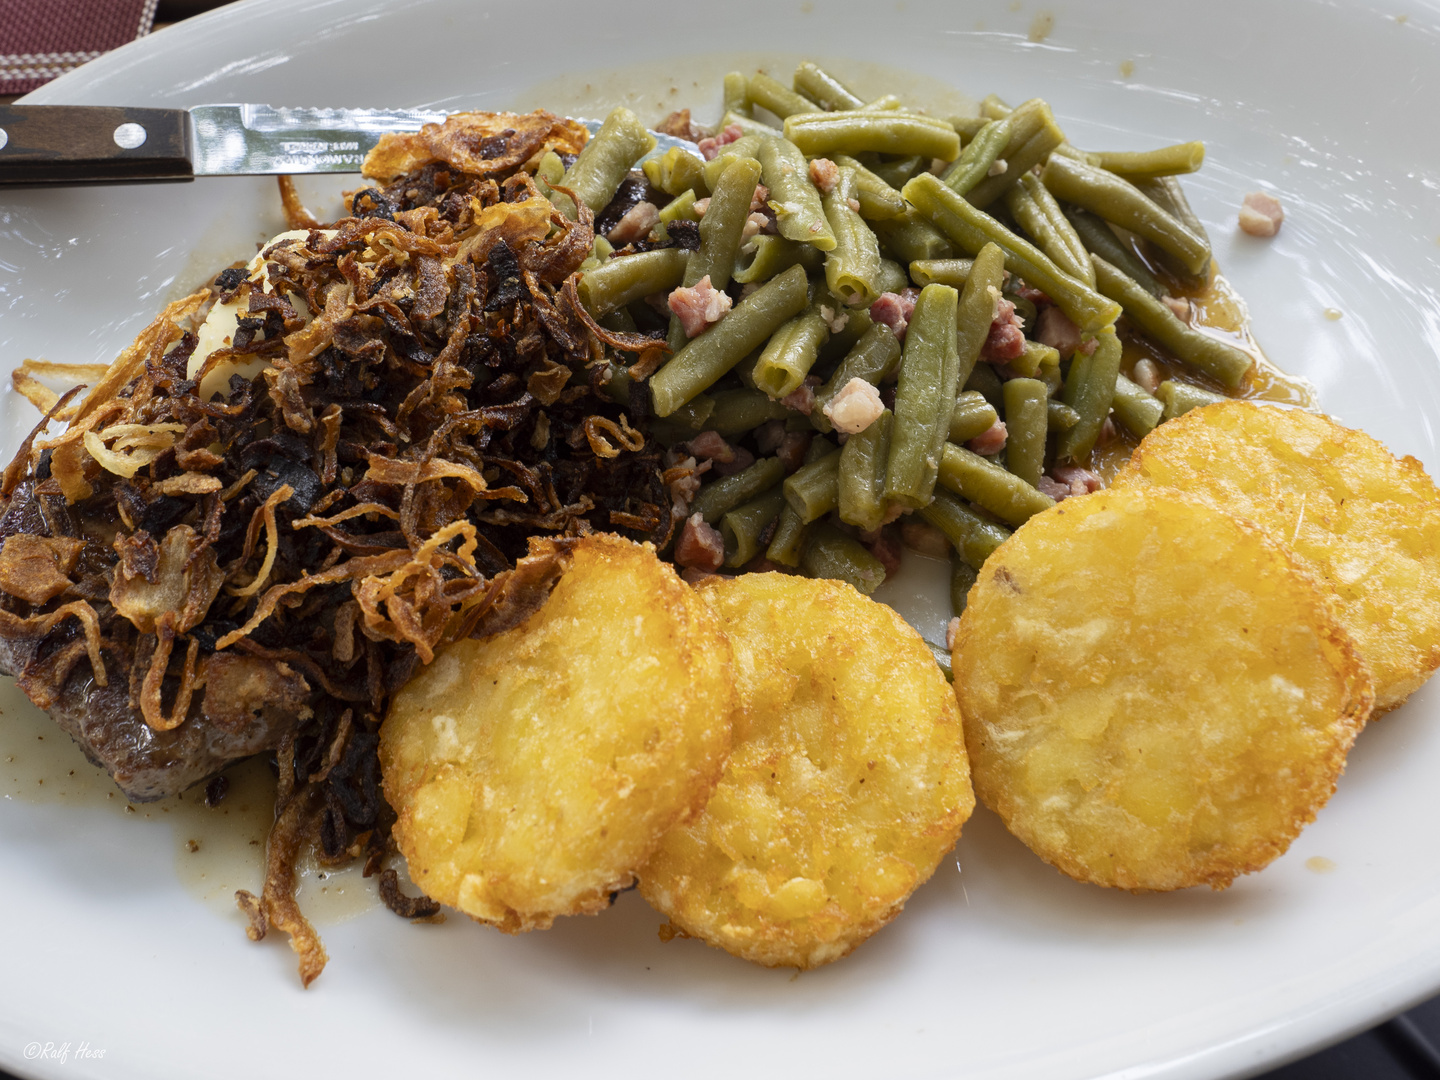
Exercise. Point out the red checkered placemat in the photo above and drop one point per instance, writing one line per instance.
(40, 39)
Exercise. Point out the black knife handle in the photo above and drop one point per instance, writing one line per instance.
(92, 144)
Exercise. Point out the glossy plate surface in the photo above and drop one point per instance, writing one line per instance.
(1006, 970)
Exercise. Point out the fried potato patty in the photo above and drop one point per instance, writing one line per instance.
(847, 784)
(535, 771)
(1155, 695)
(1367, 524)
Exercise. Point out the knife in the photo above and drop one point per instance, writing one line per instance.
(95, 144)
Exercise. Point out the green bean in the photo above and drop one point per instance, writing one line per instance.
(747, 125)
(1100, 239)
(778, 98)
(952, 272)
(763, 256)
(1179, 398)
(1122, 203)
(942, 660)
(854, 324)
(892, 277)
(977, 308)
(970, 229)
(910, 238)
(861, 483)
(823, 88)
(742, 527)
(747, 146)
(829, 553)
(1149, 164)
(600, 251)
(723, 224)
(972, 416)
(877, 199)
(791, 353)
(719, 497)
(617, 282)
(884, 103)
(617, 384)
(979, 157)
(852, 266)
(1034, 357)
(799, 214)
(1090, 391)
(1224, 363)
(1033, 134)
(1059, 416)
(814, 490)
(1026, 425)
(874, 358)
(620, 321)
(897, 170)
(967, 127)
(789, 539)
(962, 578)
(742, 410)
(737, 94)
(993, 107)
(675, 172)
(706, 358)
(819, 134)
(1036, 211)
(987, 384)
(596, 174)
(924, 397)
(695, 414)
(1136, 407)
(1166, 193)
(990, 487)
(974, 538)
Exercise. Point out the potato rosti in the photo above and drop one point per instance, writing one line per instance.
(535, 771)
(1155, 695)
(847, 784)
(1365, 523)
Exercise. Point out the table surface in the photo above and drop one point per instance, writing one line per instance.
(1405, 1048)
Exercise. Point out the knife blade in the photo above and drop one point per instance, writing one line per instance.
(68, 144)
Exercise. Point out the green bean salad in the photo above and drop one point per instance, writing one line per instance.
(883, 323)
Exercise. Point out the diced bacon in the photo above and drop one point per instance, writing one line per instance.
(1054, 328)
(710, 148)
(925, 538)
(682, 477)
(1178, 305)
(1108, 432)
(762, 565)
(711, 446)
(1147, 375)
(754, 226)
(1261, 214)
(742, 460)
(700, 206)
(802, 398)
(1026, 292)
(952, 630)
(888, 551)
(769, 436)
(854, 204)
(700, 545)
(825, 174)
(635, 225)
(1088, 346)
(792, 447)
(894, 310)
(699, 306)
(1006, 339)
(991, 440)
(892, 513)
(761, 199)
(834, 320)
(693, 575)
(855, 407)
(1067, 480)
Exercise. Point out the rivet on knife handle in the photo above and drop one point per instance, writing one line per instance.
(79, 144)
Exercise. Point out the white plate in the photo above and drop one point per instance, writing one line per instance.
(1008, 970)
